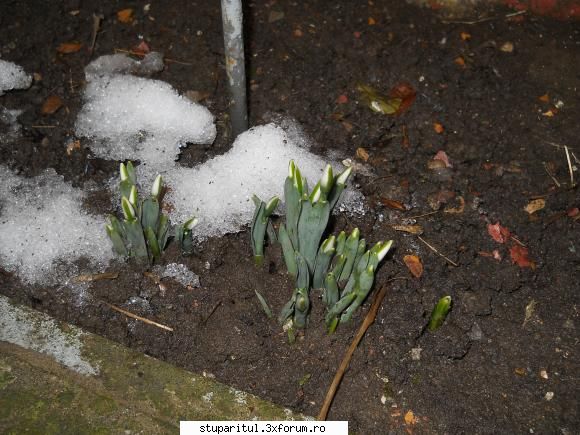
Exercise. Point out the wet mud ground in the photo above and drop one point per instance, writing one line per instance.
(499, 97)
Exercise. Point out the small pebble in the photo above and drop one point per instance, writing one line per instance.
(507, 47)
(543, 374)
(549, 395)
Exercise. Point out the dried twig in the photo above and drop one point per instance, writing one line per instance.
(213, 310)
(569, 166)
(96, 277)
(135, 316)
(368, 321)
(97, 18)
(437, 252)
(165, 59)
(423, 215)
(556, 182)
(484, 19)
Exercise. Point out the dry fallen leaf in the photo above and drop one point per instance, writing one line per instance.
(544, 98)
(456, 210)
(51, 105)
(498, 233)
(372, 21)
(519, 256)
(465, 36)
(72, 146)
(441, 155)
(125, 15)
(410, 418)
(342, 99)
(406, 93)
(392, 204)
(414, 264)
(438, 128)
(362, 154)
(412, 229)
(69, 47)
(460, 61)
(535, 205)
(141, 49)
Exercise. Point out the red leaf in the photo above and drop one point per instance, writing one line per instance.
(519, 255)
(498, 233)
(342, 99)
(406, 93)
(142, 48)
(441, 155)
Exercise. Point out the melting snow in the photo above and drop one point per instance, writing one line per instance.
(12, 76)
(44, 229)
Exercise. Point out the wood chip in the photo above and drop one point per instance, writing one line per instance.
(69, 47)
(414, 265)
(412, 229)
(362, 154)
(535, 205)
(96, 277)
(51, 105)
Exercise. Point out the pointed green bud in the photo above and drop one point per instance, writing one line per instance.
(316, 194)
(291, 169)
(109, 228)
(344, 176)
(355, 234)
(326, 180)
(156, 188)
(133, 196)
(131, 172)
(128, 209)
(123, 172)
(298, 181)
(190, 223)
(439, 313)
(271, 206)
(328, 245)
(384, 249)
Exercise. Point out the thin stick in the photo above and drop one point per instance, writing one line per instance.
(423, 215)
(484, 19)
(165, 59)
(437, 252)
(96, 277)
(551, 176)
(135, 316)
(519, 242)
(368, 321)
(569, 166)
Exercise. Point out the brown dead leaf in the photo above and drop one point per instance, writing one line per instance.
(392, 204)
(372, 21)
(414, 265)
(465, 36)
(460, 61)
(438, 128)
(51, 105)
(404, 92)
(125, 15)
(436, 164)
(196, 96)
(69, 47)
(544, 98)
(456, 210)
(410, 418)
(520, 371)
(535, 205)
(362, 154)
(442, 155)
(96, 277)
(73, 146)
(412, 229)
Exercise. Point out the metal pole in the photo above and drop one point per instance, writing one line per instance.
(235, 66)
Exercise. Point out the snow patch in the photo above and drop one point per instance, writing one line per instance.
(13, 76)
(38, 332)
(44, 229)
(135, 118)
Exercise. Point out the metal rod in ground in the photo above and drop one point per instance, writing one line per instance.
(235, 66)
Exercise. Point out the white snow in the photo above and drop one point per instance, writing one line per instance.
(44, 229)
(12, 76)
(37, 331)
(141, 119)
(219, 191)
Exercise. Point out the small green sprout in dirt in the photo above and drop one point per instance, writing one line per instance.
(144, 230)
(339, 265)
(439, 313)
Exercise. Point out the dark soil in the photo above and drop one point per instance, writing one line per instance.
(489, 368)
